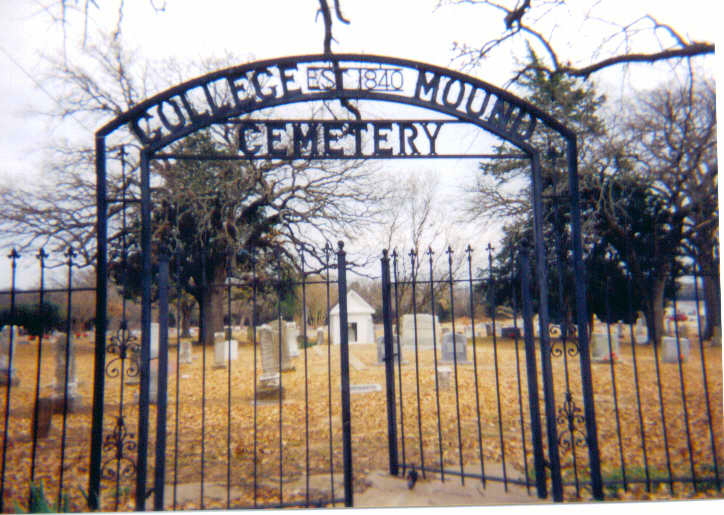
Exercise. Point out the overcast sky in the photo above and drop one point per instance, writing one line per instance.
(191, 29)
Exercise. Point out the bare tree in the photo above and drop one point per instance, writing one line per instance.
(236, 205)
(528, 23)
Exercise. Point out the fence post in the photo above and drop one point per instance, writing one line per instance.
(144, 369)
(161, 394)
(581, 315)
(532, 372)
(344, 372)
(99, 359)
(389, 365)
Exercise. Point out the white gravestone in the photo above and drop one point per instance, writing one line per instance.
(641, 332)
(291, 333)
(600, 349)
(454, 348)
(224, 349)
(5, 357)
(427, 328)
(185, 352)
(287, 364)
(63, 346)
(320, 336)
(269, 381)
(670, 353)
(444, 377)
(155, 338)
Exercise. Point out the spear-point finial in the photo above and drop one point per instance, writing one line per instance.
(14, 254)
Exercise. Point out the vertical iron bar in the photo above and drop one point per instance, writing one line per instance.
(642, 432)
(206, 329)
(413, 255)
(434, 355)
(344, 369)
(228, 380)
(399, 361)
(70, 254)
(253, 339)
(13, 256)
(306, 377)
(517, 372)
(594, 460)
(712, 441)
(327, 251)
(178, 365)
(682, 385)
(535, 426)
(469, 251)
(96, 454)
(145, 333)
(544, 319)
(389, 365)
(41, 301)
(491, 279)
(655, 338)
(280, 354)
(560, 259)
(455, 363)
(614, 392)
(162, 382)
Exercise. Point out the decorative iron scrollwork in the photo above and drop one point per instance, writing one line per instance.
(571, 417)
(559, 346)
(126, 346)
(121, 444)
(563, 340)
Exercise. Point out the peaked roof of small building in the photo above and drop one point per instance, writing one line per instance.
(356, 305)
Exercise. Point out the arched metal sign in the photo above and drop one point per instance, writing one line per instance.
(231, 95)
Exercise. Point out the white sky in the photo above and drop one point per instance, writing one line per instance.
(191, 29)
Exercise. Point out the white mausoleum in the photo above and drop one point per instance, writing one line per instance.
(359, 318)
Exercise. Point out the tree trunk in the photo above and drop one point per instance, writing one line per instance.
(211, 315)
(712, 305)
(185, 316)
(655, 310)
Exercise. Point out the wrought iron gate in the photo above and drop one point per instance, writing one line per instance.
(515, 453)
(228, 97)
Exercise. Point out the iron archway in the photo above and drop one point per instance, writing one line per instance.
(192, 106)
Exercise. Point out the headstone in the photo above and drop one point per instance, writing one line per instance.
(155, 338)
(269, 382)
(670, 353)
(600, 350)
(224, 349)
(291, 333)
(185, 352)
(320, 336)
(381, 349)
(5, 358)
(454, 348)
(444, 377)
(481, 330)
(468, 331)
(716, 336)
(425, 325)
(63, 346)
(641, 332)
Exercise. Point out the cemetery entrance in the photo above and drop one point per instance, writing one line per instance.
(260, 414)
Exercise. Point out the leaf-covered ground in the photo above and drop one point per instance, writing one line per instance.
(240, 453)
